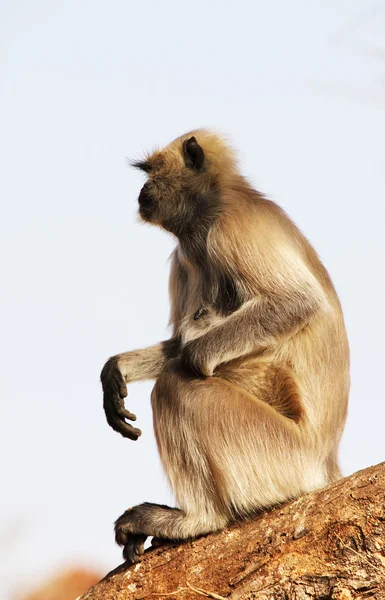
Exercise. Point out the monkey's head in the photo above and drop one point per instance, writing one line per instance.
(183, 189)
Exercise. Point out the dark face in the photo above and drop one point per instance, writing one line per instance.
(172, 197)
(173, 209)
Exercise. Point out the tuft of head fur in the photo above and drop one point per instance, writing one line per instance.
(185, 180)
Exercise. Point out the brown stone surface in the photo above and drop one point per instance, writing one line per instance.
(327, 545)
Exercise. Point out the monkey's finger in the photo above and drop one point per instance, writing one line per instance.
(123, 389)
(128, 431)
(117, 386)
(114, 404)
(116, 420)
(121, 411)
(125, 429)
(117, 405)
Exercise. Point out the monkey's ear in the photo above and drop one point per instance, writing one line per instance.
(193, 154)
(143, 165)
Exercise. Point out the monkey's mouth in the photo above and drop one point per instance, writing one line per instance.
(145, 213)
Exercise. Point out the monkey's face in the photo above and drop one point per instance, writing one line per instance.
(181, 192)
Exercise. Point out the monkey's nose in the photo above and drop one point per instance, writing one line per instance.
(145, 198)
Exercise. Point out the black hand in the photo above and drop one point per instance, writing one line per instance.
(114, 392)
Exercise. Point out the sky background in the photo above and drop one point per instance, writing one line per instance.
(299, 88)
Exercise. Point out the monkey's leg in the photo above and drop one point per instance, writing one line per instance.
(226, 452)
(201, 511)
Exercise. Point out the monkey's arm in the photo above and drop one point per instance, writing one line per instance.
(137, 365)
(254, 327)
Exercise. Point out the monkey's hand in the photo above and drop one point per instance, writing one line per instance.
(114, 392)
(194, 358)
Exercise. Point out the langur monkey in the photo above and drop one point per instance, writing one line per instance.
(251, 390)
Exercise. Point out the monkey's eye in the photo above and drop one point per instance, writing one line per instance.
(143, 165)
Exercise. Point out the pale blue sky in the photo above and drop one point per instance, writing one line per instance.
(298, 87)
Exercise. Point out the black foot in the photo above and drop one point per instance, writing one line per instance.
(134, 548)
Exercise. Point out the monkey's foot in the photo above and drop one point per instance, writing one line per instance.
(138, 522)
(133, 543)
(133, 548)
